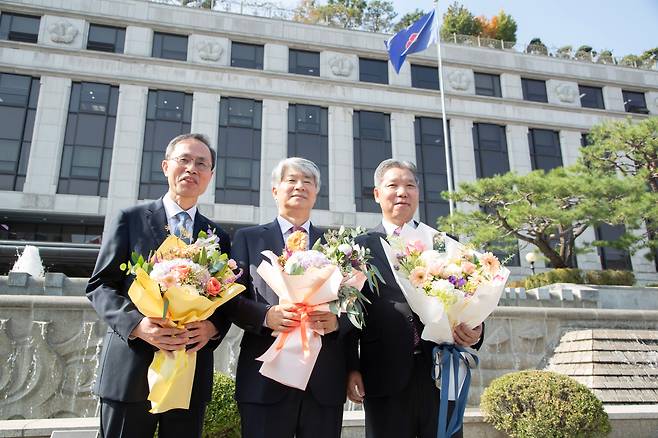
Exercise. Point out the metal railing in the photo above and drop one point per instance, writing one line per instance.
(275, 10)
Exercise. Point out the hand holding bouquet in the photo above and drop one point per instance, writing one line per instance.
(183, 283)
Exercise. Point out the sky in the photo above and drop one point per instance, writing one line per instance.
(625, 27)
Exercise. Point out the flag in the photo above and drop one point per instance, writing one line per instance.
(415, 38)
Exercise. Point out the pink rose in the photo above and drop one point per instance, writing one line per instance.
(435, 267)
(232, 264)
(213, 287)
(415, 246)
(468, 268)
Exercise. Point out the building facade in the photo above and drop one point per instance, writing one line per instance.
(91, 92)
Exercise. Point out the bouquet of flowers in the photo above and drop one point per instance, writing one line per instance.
(327, 277)
(183, 283)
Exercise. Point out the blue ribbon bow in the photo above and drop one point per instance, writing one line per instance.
(443, 355)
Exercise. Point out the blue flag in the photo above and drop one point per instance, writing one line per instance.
(415, 38)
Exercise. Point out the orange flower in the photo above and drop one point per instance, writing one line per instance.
(418, 276)
(181, 271)
(490, 263)
(213, 287)
(297, 241)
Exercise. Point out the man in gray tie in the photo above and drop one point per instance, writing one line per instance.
(132, 338)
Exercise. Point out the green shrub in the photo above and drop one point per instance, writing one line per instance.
(610, 276)
(222, 417)
(543, 404)
(516, 283)
(564, 275)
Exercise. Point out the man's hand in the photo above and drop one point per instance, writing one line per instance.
(199, 333)
(355, 389)
(161, 333)
(326, 321)
(282, 318)
(466, 336)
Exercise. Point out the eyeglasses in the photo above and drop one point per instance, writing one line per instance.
(184, 161)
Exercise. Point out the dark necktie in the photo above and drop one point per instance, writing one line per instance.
(183, 221)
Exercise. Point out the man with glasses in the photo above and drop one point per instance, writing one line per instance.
(132, 338)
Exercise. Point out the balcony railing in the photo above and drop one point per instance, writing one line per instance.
(274, 10)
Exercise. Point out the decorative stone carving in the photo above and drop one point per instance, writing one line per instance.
(459, 80)
(209, 50)
(566, 93)
(341, 66)
(62, 32)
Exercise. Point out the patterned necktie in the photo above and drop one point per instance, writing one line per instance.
(397, 231)
(183, 221)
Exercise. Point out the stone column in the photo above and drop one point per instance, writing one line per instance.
(510, 86)
(589, 260)
(341, 160)
(518, 148)
(275, 58)
(613, 98)
(403, 78)
(127, 149)
(274, 141)
(139, 41)
(205, 120)
(48, 137)
(403, 143)
(463, 155)
(570, 146)
(644, 269)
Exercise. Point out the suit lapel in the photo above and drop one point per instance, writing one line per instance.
(157, 220)
(200, 224)
(314, 235)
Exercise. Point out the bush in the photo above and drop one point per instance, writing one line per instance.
(562, 275)
(577, 276)
(543, 404)
(610, 276)
(222, 417)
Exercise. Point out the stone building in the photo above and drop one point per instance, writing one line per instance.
(90, 93)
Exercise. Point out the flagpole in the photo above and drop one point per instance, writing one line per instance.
(446, 137)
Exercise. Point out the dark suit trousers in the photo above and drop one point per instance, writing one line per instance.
(133, 420)
(298, 415)
(411, 413)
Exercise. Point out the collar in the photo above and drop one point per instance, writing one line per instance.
(390, 227)
(172, 209)
(285, 225)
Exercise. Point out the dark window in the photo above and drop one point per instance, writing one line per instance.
(613, 258)
(534, 90)
(487, 85)
(585, 139)
(424, 77)
(545, 150)
(87, 153)
(307, 138)
(635, 102)
(247, 55)
(16, 27)
(72, 230)
(106, 38)
(303, 62)
(168, 46)
(591, 97)
(18, 106)
(168, 114)
(373, 70)
(432, 169)
(238, 155)
(490, 145)
(372, 145)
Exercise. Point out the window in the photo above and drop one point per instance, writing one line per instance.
(432, 169)
(424, 77)
(168, 46)
(487, 85)
(534, 90)
(247, 55)
(88, 141)
(491, 158)
(302, 62)
(544, 149)
(613, 258)
(18, 106)
(16, 27)
(106, 38)
(591, 97)
(585, 139)
(490, 145)
(373, 70)
(307, 138)
(372, 145)
(635, 102)
(168, 114)
(238, 154)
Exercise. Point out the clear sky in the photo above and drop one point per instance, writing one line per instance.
(623, 26)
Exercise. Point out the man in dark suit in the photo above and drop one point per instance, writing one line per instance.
(268, 408)
(390, 374)
(132, 338)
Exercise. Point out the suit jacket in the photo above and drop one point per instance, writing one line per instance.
(386, 355)
(124, 362)
(327, 381)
